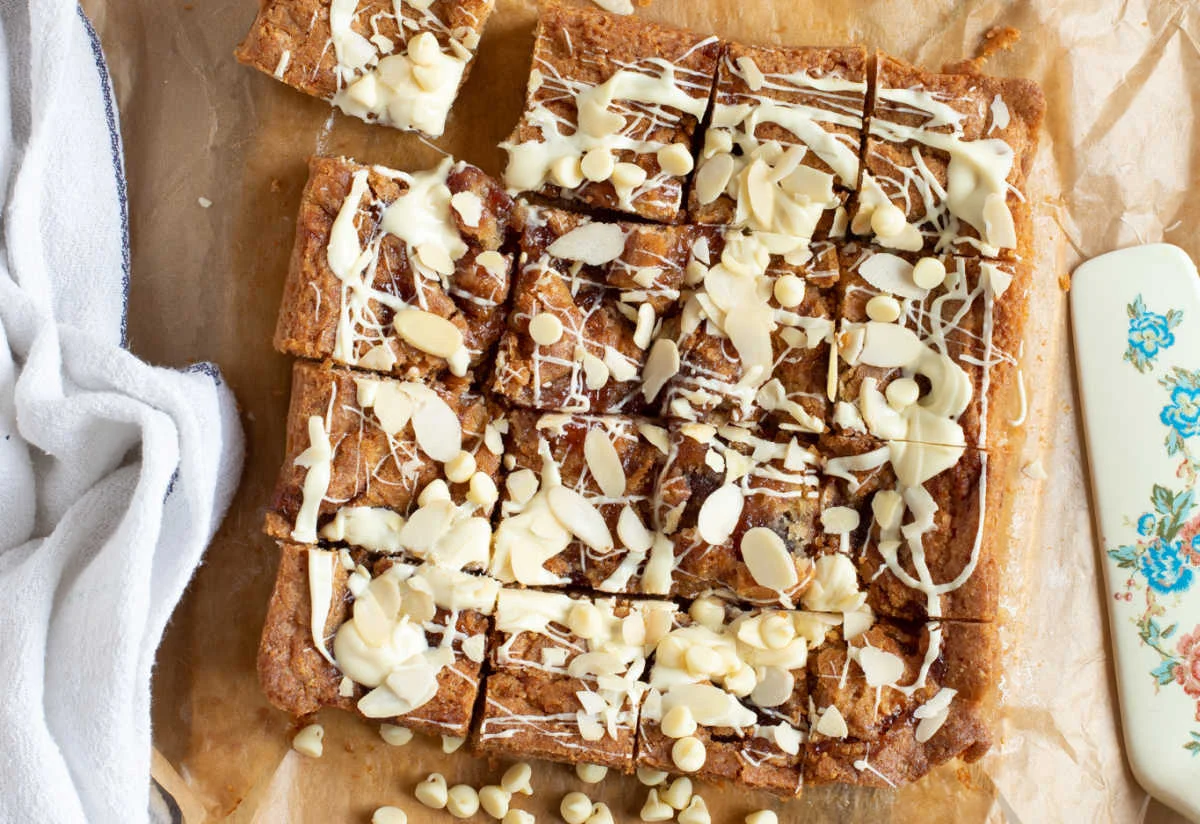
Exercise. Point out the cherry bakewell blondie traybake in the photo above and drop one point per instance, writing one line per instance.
(713, 487)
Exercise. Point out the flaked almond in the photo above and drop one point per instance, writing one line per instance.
(583, 520)
(719, 514)
(889, 345)
(713, 177)
(437, 428)
(592, 243)
(880, 667)
(493, 263)
(604, 463)
(645, 325)
(619, 366)
(839, 520)
(428, 332)
(595, 372)
(891, 274)
(750, 72)
(662, 364)
(768, 560)
(832, 723)
(596, 120)
(632, 531)
(469, 207)
(435, 256)
(392, 407)
(774, 688)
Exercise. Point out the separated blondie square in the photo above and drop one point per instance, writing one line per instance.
(755, 332)
(577, 504)
(946, 162)
(745, 513)
(396, 64)
(392, 466)
(393, 641)
(925, 535)
(396, 272)
(566, 678)
(611, 109)
(588, 303)
(891, 702)
(781, 153)
(728, 698)
(930, 347)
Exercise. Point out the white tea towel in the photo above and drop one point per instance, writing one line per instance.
(113, 474)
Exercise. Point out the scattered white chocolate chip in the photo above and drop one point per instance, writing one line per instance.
(482, 491)
(460, 468)
(601, 814)
(883, 308)
(929, 273)
(591, 773)
(688, 754)
(494, 800)
(432, 792)
(789, 291)
(598, 164)
(518, 817)
(516, 779)
(585, 620)
(678, 722)
(839, 520)
(762, 817)
(394, 735)
(567, 172)
(462, 801)
(902, 393)
(655, 809)
(575, 808)
(310, 741)
(675, 159)
(696, 812)
(389, 815)
(651, 777)
(678, 793)
(452, 743)
(628, 175)
(545, 329)
(887, 220)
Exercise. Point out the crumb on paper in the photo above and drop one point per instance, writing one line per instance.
(204, 202)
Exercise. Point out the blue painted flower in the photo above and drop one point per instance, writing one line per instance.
(1145, 524)
(1164, 567)
(1149, 332)
(1183, 412)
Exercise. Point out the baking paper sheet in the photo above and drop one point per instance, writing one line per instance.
(1116, 164)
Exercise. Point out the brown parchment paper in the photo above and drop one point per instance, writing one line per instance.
(1116, 167)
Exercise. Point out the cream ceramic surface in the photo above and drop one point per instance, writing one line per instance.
(1136, 322)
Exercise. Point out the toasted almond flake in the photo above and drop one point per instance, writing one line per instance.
(892, 275)
(712, 177)
(592, 243)
(521, 485)
(889, 345)
(887, 220)
(645, 326)
(604, 463)
(309, 741)
(584, 521)
(880, 667)
(657, 436)
(595, 372)
(761, 192)
(832, 723)
(719, 514)
(998, 280)
(768, 560)
(428, 524)
(437, 428)
(428, 332)
(545, 329)
(435, 257)
(619, 366)
(662, 364)
(789, 291)
(839, 520)
(392, 407)
(492, 262)
(810, 183)
(774, 687)
(469, 207)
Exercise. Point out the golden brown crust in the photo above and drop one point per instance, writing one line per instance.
(314, 296)
(367, 468)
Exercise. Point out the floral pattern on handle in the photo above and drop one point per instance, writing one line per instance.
(1165, 560)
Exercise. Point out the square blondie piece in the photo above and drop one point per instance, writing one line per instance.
(391, 466)
(611, 109)
(879, 720)
(396, 272)
(743, 511)
(588, 300)
(754, 335)
(946, 162)
(577, 503)
(389, 640)
(936, 363)
(566, 677)
(781, 153)
(732, 684)
(927, 540)
(396, 64)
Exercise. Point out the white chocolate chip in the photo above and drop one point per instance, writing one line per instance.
(591, 773)
(460, 468)
(516, 779)
(423, 48)
(887, 220)
(601, 814)
(902, 393)
(678, 722)
(655, 809)
(762, 817)
(688, 754)
(462, 801)
(567, 172)
(521, 485)
(789, 291)
(628, 175)
(585, 620)
(452, 743)
(929, 273)
(708, 611)
(389, 815)
(696, 812)
(675, 159)
(650, 777)
(575, 808)
(598, 164)
(396, 736)
(482, 491)
(839, 520)
(518, 817)
(494, 800)
(432, 791)
(679, 793)
(310, 741)
(883, 308)
(545, 329)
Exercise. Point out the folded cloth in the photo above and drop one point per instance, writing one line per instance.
(114, 475)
